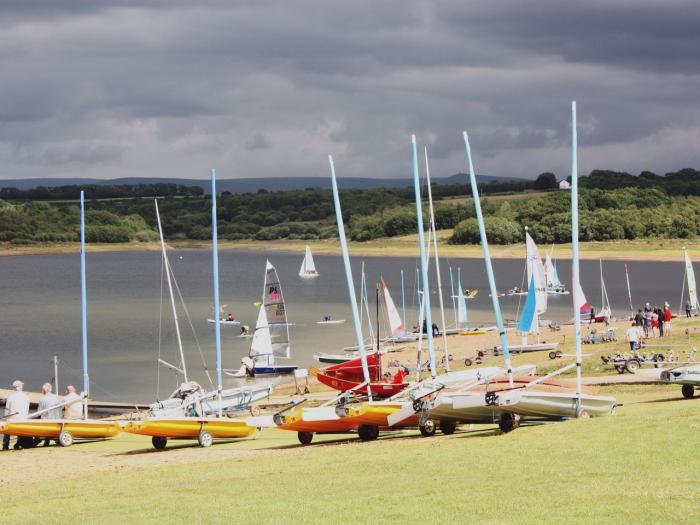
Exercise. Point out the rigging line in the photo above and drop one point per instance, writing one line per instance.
(189, 322)
(92, 381)
(160, 326)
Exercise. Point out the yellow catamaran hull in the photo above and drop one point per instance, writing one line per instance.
(190, 428)
(52, 428)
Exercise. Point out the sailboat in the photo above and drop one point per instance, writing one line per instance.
(224, 320)
(196, 423)
(605, 312)
(534, 399)
(554, 284)
(65, 431)
(308, 268)
(271, 337)
(190, 397)
(689, 278)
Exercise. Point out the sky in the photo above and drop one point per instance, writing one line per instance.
(269, 88)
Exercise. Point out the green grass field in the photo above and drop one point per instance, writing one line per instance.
(637, 466)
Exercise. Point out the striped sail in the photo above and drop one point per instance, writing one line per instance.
(273, 303)
(395, 324)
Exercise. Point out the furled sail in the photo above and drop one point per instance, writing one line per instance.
(462, 316)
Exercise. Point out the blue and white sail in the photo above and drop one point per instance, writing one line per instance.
(554, 284)
(528, 320)
(536, 277)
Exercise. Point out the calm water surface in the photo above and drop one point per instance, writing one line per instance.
(40, 308)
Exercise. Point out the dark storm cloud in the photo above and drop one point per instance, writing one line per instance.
(170, 88)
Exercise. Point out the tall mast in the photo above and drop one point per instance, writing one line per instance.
(403, 302)
(575, 256)
(215, 280)
(423, 262)
(172, 296)
(83, 307)
(629, 290)
(437, 262)
(348, 277)
(487, 262)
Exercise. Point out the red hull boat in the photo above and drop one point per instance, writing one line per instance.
(348, 376)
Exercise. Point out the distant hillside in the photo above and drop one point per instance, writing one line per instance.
(249, 185)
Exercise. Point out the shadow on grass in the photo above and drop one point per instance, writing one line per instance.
(182, 444)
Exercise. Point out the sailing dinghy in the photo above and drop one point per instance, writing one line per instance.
(271, 337)
(554, 284)
(308, 268)
(689, 278)
(65, 431)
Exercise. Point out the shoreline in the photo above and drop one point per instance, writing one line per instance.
(660, 250)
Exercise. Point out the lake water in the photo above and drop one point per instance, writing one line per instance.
(40, 309)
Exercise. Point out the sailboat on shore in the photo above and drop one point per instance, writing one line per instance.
(308, 268)
(689, 280)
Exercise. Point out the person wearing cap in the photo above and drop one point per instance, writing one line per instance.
(73, 408)
(48, 405)
(16, 407)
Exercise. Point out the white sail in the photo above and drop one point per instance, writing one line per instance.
(273, 303)
(261, 343)
(462, 316)
(308, 268)
(535, 269)
(553, 281)
(395, 324)
(690, 276)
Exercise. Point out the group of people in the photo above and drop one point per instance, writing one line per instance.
(649, 321)
(50, 406)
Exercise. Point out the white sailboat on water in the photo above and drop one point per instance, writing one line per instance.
(605, 312)
(689, 280)
(271, 337)
(554, 284)
(308, 268)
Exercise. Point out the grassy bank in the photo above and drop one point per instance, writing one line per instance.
(648, 250)
(634, 467)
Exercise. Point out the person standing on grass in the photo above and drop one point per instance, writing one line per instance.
(688, 309)
(16, 407)
(647, 321)
(73, 408)
(667, 319)
(660, 320)
(639, 318)
(49, 403)
(633, 337)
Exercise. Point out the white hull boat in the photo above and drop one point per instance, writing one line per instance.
(534, 403)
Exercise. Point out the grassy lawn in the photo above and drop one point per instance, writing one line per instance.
(638, 466)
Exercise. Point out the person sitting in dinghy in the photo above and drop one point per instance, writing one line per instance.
(230, 317)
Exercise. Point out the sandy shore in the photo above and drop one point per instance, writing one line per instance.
(641, 250)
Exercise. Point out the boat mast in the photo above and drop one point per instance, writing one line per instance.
(629, 290)
(172, 296)
(423, 262)
(348, 277)
(437, 262)
(487, 262)
(215, 279)
(83, 307)
(575, 256)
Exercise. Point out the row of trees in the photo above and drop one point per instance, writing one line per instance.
(96, 191)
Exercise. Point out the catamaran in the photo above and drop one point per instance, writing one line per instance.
(271, 337)
(200, 415)
(308, 268)
(65, 431)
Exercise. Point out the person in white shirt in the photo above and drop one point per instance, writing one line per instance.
(633, 337)
(16, 407)
(48, 403)
(74, 407)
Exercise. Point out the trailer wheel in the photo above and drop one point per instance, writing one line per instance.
(368, 432)
(428, 428)
(552, 355)
(659, 360)
(688, 391)
(448, 427)
(65, 438)
(305, 438)
(467, 362)
(205, 439)
(632, 365)
(508, 422)
(254, 410)
(158, 442)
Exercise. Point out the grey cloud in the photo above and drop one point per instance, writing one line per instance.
(171, 88)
